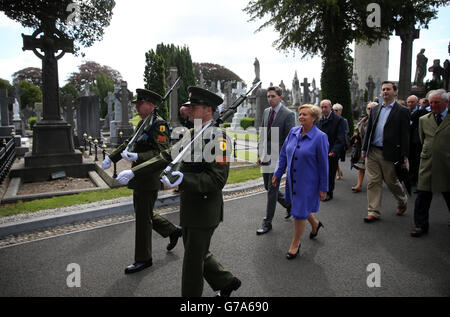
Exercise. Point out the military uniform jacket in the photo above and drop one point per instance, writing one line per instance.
(201, 199)
(151, 141)
(434, 167)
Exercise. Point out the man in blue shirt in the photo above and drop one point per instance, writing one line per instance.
(386, 143)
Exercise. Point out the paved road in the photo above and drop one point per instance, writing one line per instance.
(335, 264)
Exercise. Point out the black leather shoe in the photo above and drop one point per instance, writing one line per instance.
(418, 232)
(288, 212)
(313, 235)
(329, 197)
(266, 227)
(173, 237)
(138, 266)
(291, 256)
(233, 286)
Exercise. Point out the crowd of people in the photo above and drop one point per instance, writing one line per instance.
(384, 142)
(399, 145)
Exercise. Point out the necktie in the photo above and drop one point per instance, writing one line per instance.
(438, 119)
(272, 115)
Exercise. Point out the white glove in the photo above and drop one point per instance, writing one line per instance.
(125, 176)
(129, 156)
(106, 163)
(167, 183)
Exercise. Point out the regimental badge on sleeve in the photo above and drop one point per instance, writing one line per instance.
(222, 157)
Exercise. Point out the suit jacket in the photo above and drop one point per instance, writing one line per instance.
(284, 121)
(414, 128)
(434, 167)
(395, 133)
(334, 128)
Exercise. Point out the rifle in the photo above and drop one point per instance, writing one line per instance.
(224, 115)
(151, 117)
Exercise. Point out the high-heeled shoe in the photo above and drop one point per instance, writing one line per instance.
(313, 235)
(291, 256)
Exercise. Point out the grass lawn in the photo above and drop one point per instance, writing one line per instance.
(243, 136)
(235, 176)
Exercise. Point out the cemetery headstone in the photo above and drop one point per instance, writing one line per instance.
(370, 88)
(88, 117)
(306, 96)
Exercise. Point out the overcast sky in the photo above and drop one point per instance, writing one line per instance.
(216, 31)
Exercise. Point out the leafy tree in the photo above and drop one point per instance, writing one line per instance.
(327, 28)
(179, 57)
(4, 84)
(155, 79)
(92, 17)
(69, 89)
(103, 85)
(213, 72)
(31, 74)
(87, 75)
(31, 94)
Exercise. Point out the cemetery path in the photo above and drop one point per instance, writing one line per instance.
(335, 264)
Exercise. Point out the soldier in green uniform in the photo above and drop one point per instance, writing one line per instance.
(201, 206)
(149, 141)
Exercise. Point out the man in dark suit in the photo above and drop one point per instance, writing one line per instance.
(334, 127)
(276, 118)
(415, 147)
(386, 142)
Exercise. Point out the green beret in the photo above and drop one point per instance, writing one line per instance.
(147, 95)
(200, 96)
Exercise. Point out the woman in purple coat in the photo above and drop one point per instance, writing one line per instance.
(305, 155)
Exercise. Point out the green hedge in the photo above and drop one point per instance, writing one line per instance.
(32, 122)
(247, 122)
(226, 125)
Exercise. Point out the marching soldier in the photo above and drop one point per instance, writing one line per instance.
(150, 141)
(201, 207)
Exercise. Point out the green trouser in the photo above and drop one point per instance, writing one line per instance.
(146, 220)
(199, 263)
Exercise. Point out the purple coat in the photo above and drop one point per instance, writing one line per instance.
(306, 159)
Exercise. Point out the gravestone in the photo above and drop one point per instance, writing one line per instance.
(261, 104)
(241, 110)
(228, 100)
(306, 96)
(370, 88)
(68, 107)
(28, 112)
(88, 117)
(378, 89)
(123, 125)
(38, 111)
(17, 121)
(173, 99)
(52, 141)
(109, 99)
(5, 101)
(296, 93)
(407, 35)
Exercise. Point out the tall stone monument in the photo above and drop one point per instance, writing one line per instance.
(407, 35)
(371, 60)
(53, 147)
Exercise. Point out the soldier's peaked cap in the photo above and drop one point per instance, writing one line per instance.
(147, 95)
(200, 96)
